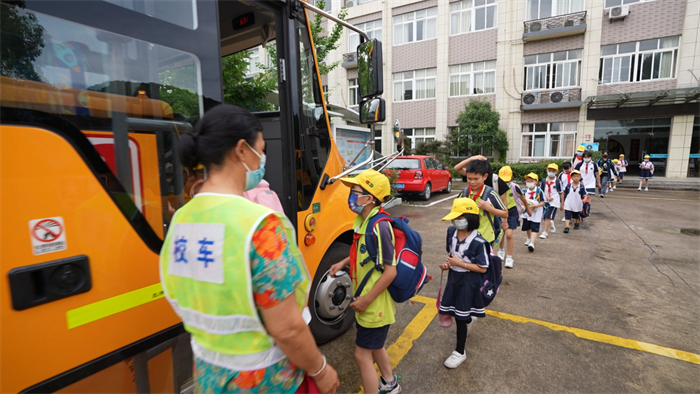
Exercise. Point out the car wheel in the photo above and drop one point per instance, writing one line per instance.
(329, 299)
(425, 196)
(448, 189)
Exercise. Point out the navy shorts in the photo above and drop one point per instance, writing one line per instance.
(551, 213)
(532, 226)
(591, 191)
(513, 218)
(621, 175)
(371, 338)
(568, 215)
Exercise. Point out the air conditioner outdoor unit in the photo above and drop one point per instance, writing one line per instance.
(531, 98)
(619, 12)
(349, 3)
(559, 97)
(534, 26)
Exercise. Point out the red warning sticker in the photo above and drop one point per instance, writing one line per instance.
(48, 235)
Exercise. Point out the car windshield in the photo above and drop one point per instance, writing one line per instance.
(404, 164)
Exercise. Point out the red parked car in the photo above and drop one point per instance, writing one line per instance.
(421, 175)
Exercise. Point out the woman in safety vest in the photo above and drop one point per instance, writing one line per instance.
(232, 271)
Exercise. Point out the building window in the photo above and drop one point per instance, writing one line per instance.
(253, 61)
(548, 140)
(484, 151)
(472, 15)
(473, 78)
(420, 135)
(613, 3)
(352, 92)
(415, 85)
(553, 70)
(538, 9)
(373, 30)
(415, 26)
(639, 61)
(378, 140)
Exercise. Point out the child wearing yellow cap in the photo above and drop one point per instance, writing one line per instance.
(574, 197)
(467, 260)
(622, 168)
(552, 190)
(514, 198)
(535, 199)
(646, 172)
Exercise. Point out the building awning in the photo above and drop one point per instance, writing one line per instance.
(644, 99)
(660, 103)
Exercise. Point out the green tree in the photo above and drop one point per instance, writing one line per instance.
(478, 130)
(22, 40)
(247, 92)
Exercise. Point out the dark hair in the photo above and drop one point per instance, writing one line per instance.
(473, 221)
(217, 133)
(587, 154)
(481, 167)
(566, 165)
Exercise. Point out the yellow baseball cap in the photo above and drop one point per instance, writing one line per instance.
(580, 148)
(505, 173)
(376, 183)
(553, 165)
(576, 172)
(646, 156)
(533, 176)
(460, 206)
(622, 155)
(615, 160)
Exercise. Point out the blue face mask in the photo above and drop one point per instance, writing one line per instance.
(587, 159)
(352, 204)
(253, 177)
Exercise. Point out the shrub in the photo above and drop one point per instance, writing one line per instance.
(522, 169)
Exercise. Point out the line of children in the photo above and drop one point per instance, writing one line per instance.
(516, 204)
(552, 189)
(535, 200)
(574, 197)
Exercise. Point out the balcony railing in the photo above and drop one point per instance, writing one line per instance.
(548, 99)
(349, 60)
(555, 26)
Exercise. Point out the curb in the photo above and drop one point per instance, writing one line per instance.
(392, 203)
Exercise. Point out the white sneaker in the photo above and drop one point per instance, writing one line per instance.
(469, 325)
(614, 187)
(640, 188)
(509, 263)
(390, 388)
(455, 360)
(553, 229)
(531, 247)
(646, 189)
(501, 253)
(543, 236)
(563, 219)
(527, 242)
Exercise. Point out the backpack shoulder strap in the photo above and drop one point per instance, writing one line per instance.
(364, 281)
(485, 196)
(371, 237)
(450, 234)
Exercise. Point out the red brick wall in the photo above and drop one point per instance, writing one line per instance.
(655, 19)
(415, 113)
(455, 105)
(553, 45)
(473, 47)
(551, 116)
(414, 56)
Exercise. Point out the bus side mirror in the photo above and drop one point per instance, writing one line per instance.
(370, 69)
(373, 111)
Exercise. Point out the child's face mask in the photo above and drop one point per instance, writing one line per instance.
(530, 185)
(551, 174)
(587, 159)
(579, 154)
(460, 223)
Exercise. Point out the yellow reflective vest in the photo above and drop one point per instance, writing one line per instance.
(206, 275)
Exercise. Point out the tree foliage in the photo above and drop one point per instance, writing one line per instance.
(478, 130)
(326, 42)
(247, 92)
(22, 40)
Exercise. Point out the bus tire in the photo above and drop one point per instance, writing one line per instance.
(324, 325)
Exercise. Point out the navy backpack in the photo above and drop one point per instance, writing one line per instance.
(411, 274)
(493, 275)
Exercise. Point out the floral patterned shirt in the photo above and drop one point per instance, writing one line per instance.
(275, 276)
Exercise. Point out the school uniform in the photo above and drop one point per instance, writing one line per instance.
(462, 296)
(551, 188)
(588, 175)
(573, 201)
(513, 203)
(532, 222)
(646, 170)
(621, 169)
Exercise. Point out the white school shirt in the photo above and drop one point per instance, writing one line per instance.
(573, 201)
(459, 250)
(536, 196)
(588, 174)
(620, 166)
(555, 188)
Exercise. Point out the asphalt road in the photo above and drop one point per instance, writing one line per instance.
(603, 309)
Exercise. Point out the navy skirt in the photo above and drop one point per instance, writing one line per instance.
(462, 295)
(645, 174)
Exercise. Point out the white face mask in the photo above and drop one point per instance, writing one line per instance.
(552, 174)
(530, 185)
(587, 159)
(460, 224)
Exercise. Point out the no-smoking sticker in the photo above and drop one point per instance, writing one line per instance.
(48, 235)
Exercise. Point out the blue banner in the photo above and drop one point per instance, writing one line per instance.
(695, 155)
(659, 156)
(591, 146)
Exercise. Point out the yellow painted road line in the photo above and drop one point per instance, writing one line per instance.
(398, 350)
(654, 198)
(111, 306)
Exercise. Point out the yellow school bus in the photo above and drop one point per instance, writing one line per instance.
(94, 96)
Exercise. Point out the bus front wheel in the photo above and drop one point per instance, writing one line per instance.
(329, 301)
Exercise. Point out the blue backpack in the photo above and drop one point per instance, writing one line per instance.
(411, 274)
(493, 275)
